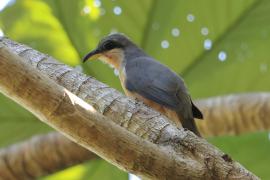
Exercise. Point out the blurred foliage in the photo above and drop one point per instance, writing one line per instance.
(98, 169)
(219, 47)
(16, 123)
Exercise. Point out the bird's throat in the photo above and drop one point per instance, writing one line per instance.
(113, 58)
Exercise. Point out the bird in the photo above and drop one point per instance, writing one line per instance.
(147, 80)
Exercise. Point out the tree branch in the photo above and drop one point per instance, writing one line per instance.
(223, 112)
(235, 114)
(226, 113)
(145, 144)
(41, 155)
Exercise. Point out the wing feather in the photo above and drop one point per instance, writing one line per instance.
(156, 82)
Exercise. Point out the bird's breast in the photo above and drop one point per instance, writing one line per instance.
(122, 77)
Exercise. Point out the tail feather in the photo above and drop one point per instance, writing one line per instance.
(189, 123)
(196, 112)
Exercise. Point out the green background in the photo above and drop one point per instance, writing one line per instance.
(68, 29)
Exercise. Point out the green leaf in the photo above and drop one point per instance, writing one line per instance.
(246, 44)
(32, 23)
(96, 169)
(183, 51)
(16, 123)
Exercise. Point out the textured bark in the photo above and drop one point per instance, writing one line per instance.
(40, 156)
(224, 112)
(235, 114)
(138, 139)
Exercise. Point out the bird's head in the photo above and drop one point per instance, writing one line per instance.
(111, 50)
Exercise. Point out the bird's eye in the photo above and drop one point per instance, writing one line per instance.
(109, 45)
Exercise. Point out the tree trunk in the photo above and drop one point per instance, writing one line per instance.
(138, 140)
(41, 155)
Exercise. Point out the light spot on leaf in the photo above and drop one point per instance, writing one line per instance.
(204, 31)
(91, 10)
(97, 3)
(207, 44)
(175, 32)
(86, 9)
(165, 44)
(222, 56)
(117, 10)
(190, 17)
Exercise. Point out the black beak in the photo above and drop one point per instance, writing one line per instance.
(94, 53)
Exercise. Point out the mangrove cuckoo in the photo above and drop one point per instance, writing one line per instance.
(147, 80)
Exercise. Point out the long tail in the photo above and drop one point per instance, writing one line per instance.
(189, 123)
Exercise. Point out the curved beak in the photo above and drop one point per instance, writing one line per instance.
(93, 55)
